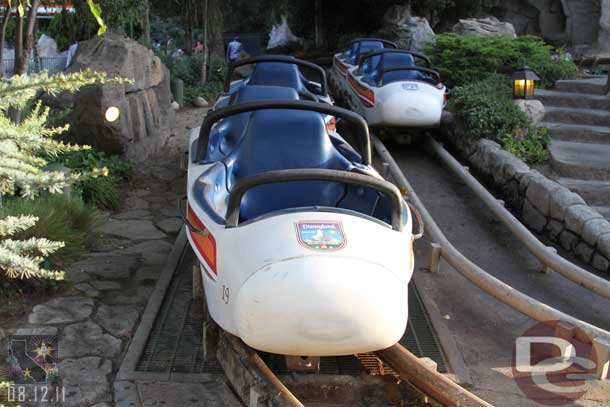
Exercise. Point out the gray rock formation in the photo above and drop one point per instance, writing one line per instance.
(145, 114)
(408, 31)
(603, 37)
(484, 27)
(534, 109)
(575, 23)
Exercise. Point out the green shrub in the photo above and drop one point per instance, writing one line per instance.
(188, 68)
(529, 144)
(61, 217)
(487, 110)
(462, 59)
(209, 91)
(103, 192)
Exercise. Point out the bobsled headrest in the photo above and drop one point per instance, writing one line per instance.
(283, 139)
(276, 74)
(391, 60)
(259, 92)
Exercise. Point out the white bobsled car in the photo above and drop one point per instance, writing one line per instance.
(304, 249)
(389, 89)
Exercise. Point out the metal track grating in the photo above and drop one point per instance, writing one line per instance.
(175, 342)
(420, 337)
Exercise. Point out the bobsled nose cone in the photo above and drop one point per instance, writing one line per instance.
(419, 110)
(322, 306)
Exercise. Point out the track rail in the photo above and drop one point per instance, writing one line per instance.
(429, 381)
(266, 389)
(253, 381)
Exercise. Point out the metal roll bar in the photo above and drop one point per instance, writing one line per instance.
(395, 51)
(538, 311)
(357, 122)
(543, 253)
(277, 58)
(344, 177)
(436, 75)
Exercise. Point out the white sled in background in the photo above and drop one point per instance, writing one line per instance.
(389, 89)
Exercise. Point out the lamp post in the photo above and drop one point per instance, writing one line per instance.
(524, 80)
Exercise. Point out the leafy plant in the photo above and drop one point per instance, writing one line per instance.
(529, 144)
(22, 174)
(463, 59)
(209, 91)
(189, 70)
(103, 192)
(487, 108)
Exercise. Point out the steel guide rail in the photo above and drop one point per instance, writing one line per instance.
(538, 311)
(545, 254)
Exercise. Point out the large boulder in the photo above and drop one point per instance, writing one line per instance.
(145, 105)
(408, 31)
(603, 38)
(47, 47)
(484, 27)
(566, 22)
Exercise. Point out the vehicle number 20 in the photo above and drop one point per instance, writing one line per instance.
(225, 294)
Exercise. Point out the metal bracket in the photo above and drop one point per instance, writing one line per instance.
(303, 363)
(546, 269)
(183, 215)
(435, 257)
(601, 355)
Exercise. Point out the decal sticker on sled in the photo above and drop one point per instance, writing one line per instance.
(323, 236)
(410, 86)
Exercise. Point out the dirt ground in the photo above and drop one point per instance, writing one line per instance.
(187, 118)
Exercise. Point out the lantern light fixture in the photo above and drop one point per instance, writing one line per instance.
(524, 80)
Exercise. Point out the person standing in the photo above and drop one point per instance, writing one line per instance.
(234, 48)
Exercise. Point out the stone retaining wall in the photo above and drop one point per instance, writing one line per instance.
(542, 204)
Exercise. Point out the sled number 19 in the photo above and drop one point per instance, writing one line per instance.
(225, 294)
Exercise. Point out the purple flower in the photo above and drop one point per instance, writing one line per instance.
(520, 135)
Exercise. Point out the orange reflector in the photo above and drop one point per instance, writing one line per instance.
(366, 95)
(206, 245)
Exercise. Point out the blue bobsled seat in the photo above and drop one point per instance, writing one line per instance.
(290, 140)
(280, 74)
(227, 134)
(360, 48)
(285, 140)
(373, 67)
